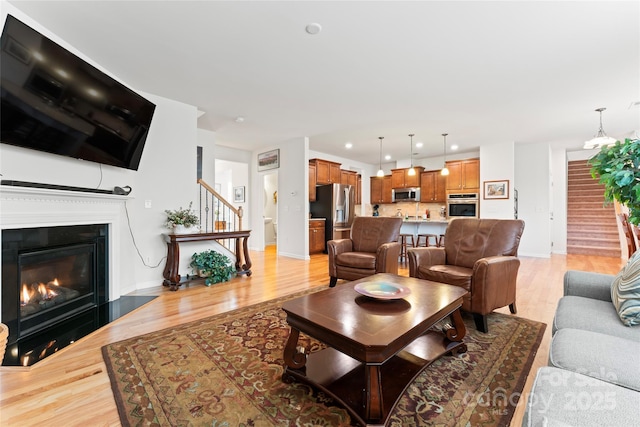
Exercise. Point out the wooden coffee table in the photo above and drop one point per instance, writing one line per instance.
(375, 347)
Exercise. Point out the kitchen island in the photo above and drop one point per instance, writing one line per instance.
(424, 226)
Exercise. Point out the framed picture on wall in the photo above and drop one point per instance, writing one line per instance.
(496, 189)
(269, 160)
(238, 194)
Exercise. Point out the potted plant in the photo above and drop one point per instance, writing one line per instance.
(618, 168)
(182, 221)
(212, 265)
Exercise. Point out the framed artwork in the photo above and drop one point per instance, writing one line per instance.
(238, 194)
(269, 160)
(496, 189)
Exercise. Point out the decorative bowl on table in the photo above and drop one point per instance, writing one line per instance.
(382, 290)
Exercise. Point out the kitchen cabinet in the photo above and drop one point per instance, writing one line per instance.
(348, 177)
(312, 182)
(381, 189)
(326, 172)
(433, 187)
(464, 175)
(400, 178)
(316, 236)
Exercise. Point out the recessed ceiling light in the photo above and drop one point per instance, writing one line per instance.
(239, 119)
(313, 28)
(348, 145)
(419, 144)
(62, 73)
(387, 157)
(454, 147)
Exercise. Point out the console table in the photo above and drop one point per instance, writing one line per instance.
(171, 274)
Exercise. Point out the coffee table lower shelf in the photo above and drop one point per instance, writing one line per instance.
(344, 378)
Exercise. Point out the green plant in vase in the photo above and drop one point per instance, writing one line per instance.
(212, 265)
(184, 217)
(618, 168)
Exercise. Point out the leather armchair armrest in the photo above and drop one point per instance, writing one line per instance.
(494, 283)
(387, 258)
(335, 248)
(425, 257)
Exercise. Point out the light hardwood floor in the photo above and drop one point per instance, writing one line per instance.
(71, 388)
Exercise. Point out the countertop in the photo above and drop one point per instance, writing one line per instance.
(426, 221)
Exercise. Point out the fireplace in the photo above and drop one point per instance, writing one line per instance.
(53, 280)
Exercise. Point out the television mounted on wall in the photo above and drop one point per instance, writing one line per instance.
(55, 102)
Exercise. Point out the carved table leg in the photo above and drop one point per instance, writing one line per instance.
(373, 400)
(456, 332)
(295, 357)
(242, 248)
(171, 268)
(247, 260)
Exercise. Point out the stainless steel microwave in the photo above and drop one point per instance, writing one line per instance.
(405, 195)
(463, 205)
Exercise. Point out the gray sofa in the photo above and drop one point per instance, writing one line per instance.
(593, 377)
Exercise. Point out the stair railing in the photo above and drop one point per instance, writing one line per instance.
(217, 215)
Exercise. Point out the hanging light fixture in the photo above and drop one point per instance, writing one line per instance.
(601, 139)
(445, 170)
(412, 171)
(380, 171)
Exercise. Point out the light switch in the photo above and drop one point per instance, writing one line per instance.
(147, 204)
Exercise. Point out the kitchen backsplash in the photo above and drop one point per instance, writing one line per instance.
(407, 208)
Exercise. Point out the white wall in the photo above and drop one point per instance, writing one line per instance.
(559, 201)
(497, 165)
(532, 175)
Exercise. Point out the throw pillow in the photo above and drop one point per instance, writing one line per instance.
(625, 291)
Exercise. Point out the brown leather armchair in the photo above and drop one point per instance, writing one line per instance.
(479, 255)
(373, 248)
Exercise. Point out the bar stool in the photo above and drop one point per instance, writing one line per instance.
(441, 241)
(426, 238)
(405, 240)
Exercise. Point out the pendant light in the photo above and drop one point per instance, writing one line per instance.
(380, 173)
(445, 170)
(412, 171)
(601, 139)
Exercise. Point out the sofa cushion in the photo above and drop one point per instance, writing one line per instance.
(449, 274)
(591, 315)
(559, 397)
(625, 291)
(357, 260)
(597, 355)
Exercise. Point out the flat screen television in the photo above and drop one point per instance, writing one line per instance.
(55, 102)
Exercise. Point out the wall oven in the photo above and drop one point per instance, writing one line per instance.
(464, 205)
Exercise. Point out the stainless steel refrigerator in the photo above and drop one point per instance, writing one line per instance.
(335, 203)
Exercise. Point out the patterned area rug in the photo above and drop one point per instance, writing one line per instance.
(226, 370)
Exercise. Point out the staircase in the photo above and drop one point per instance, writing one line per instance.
(591, 227)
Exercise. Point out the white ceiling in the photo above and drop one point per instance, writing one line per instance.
(484, 72)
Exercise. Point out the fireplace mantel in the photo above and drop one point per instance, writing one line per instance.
(24, 207)
(35, 207)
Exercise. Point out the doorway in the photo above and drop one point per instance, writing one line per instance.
(270, 211)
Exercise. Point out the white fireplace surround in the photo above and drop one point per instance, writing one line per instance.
(25, 207)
